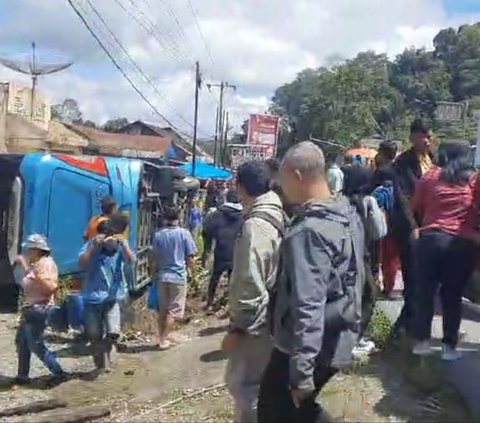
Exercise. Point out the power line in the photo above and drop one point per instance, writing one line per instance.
(152, 30)
(135, 64)
(115, 63)
(199, 29)
(172, 13)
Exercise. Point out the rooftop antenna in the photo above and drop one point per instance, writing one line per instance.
(35, 69)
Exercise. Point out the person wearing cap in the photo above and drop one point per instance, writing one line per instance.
(109, 207)
(39, 284)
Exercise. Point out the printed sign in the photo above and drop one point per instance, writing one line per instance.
(449, 112)
(241, 153)
(263, 131)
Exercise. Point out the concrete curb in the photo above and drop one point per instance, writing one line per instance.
(463, 374)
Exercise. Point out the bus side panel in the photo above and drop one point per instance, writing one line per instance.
(74, 198)
(59, 202)
(125, 175)
(36, 172)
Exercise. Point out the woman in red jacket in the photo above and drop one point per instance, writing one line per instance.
(444, 205)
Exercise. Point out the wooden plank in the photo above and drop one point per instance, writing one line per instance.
(68, 415)
(33, 407)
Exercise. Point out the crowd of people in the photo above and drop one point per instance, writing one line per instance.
(307, 248)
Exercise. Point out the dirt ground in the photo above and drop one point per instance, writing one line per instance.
(186, 383)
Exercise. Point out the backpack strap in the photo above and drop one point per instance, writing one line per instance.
(267, 217)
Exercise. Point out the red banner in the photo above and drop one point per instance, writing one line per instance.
(263, 131)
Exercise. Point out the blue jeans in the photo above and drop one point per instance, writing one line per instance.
(102, 325)
(30, 340)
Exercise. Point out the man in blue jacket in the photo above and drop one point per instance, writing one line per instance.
(317, 305)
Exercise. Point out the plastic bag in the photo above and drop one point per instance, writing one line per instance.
(152, 300)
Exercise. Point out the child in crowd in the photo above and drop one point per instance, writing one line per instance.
(103, 259)
(39, 285)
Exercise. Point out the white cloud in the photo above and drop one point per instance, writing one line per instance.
(257, 45)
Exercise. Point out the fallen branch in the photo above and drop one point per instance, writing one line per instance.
(182, 398)
(68, 415)
(34, 407)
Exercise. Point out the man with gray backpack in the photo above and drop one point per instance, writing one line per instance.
(317, 307)
(255, 262)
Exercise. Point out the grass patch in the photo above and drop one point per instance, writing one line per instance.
(379, 329)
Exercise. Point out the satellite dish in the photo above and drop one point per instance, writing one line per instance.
(34, 68)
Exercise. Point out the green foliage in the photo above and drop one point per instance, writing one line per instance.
(115, 125)
(64, 288)
(380, 329)
(371, 95)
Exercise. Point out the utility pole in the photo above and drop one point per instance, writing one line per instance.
(3, 116)
(225, 137)
(465, 118)
(198, 83)
(476, 115)
(216, 138)
(221, 120)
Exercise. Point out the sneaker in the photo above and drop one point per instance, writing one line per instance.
(450, 354)
(422, 348)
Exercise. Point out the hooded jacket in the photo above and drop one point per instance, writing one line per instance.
(320, 282)
(223, 226)
(255, 264)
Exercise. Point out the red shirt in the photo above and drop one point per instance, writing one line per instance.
(445, 206)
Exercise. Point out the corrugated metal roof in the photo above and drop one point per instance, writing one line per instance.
(122, 144)
(167, 130)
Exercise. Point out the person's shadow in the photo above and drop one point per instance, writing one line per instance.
(47, 382)
(213, 356)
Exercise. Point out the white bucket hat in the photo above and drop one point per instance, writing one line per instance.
(38, 242)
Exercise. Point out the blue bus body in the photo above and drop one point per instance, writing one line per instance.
(56, 195)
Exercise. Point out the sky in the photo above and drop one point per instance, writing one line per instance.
(255, 45)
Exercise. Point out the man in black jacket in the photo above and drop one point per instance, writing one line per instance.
(317, 303)
(409, 167)
(222, 226)
(418, 160)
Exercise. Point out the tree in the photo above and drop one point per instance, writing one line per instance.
(371, 95)
(90, 124)
(422, 80)
(67, 112)
(115, 125)
(460, 51)
(345, 103)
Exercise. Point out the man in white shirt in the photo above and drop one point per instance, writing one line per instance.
(335, 178)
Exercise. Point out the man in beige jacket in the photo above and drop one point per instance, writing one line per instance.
(255, 263)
